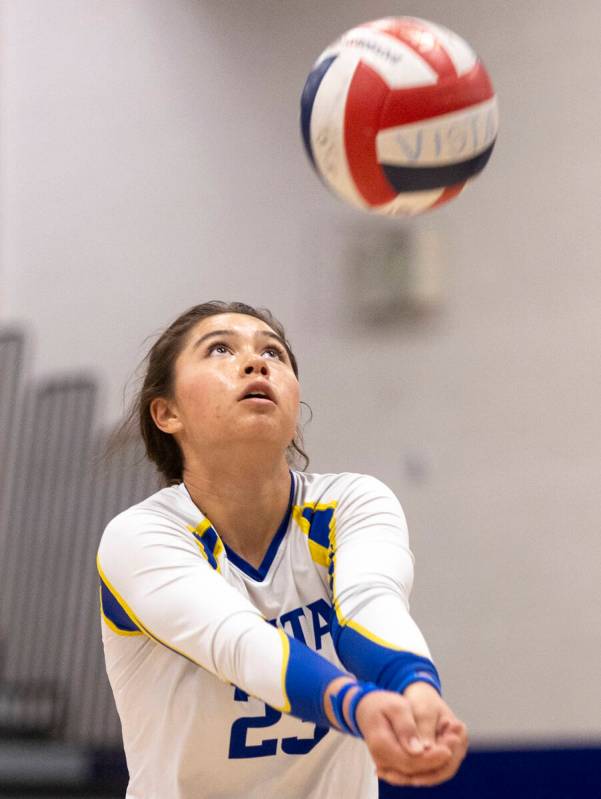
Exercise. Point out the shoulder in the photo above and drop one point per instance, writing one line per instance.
(343, 488)
(168, 513)
(358, 503)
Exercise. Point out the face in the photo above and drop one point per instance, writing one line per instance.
(233, 383)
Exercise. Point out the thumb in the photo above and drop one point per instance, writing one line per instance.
(405, 728)
(426, 722)
(426, 712)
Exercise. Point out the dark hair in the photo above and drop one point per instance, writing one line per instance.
(162, 448)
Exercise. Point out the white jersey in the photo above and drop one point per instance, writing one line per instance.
(197, 641)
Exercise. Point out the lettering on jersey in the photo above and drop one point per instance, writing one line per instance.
(320, 611)
(239, 747)
(292, 618)
(317, 521)
(307, 624)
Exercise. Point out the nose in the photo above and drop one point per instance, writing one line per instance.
(256, 365)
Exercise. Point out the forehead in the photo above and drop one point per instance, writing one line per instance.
(238, 323)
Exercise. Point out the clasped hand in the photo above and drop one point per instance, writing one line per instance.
(414, 739)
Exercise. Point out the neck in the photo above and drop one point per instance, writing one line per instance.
(245, 499)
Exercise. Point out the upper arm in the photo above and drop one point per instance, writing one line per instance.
(372, 572)
(371, 541)
(156, 573)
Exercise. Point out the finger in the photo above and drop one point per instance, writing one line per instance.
(393, 777)
(438, 755)
(387, 751)
(453, 733)
(435, 777)
(459, 748)
(457, 745)
(402, 722)
(426, 720)
(422, 758)
(388, 754)
(452, 739)
(427, 779)
(447, 722)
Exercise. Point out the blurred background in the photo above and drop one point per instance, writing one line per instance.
(150, 159)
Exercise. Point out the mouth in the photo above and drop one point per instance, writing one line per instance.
(258, 393)
(257, 400)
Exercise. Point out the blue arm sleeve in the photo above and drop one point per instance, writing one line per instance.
(307, 677)
(389, 668)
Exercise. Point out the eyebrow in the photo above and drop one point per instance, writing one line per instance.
(265, 333)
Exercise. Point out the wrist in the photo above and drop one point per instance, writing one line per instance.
(344, 701)
(421, 677)
(333, 688)
(421, 687)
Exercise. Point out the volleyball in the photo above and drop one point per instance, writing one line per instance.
(398, 115)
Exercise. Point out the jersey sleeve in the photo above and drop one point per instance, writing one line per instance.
(371, 579)
(155, 581)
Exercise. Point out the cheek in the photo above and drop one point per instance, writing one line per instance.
(293, 397)
(197, 395)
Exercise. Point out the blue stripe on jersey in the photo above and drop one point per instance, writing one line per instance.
(308, 98)
(115, 614)
(392, 669)
(260, 573)
(320, 521)
(210, 542)
(316, 520)
(307, 677)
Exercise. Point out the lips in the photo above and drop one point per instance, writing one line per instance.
(258, 389)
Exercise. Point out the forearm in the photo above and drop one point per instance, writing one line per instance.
(383, 662)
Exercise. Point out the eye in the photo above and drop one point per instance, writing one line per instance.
(219, 348)
(275, 352)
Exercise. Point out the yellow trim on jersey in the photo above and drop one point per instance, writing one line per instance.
(218, 549)
(319, 553)
(354, 625)
(200, 528)
(285, 659)
(136, 620)
(110, 624)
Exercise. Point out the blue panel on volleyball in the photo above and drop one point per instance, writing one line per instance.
(307, 100)
(420, 178)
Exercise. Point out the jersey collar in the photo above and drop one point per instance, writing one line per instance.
(260, 573)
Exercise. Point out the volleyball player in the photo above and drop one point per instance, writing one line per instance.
(255, 617)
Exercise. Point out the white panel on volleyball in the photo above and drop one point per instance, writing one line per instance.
(446, 139)
(327, 127)
(384, 54)
(458, 50)
(410, 203)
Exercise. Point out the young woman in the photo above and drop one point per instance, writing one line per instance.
(255, 617)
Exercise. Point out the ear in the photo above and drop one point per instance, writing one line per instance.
(164, 415)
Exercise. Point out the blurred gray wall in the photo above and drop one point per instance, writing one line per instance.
(150, 159)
